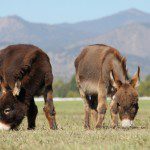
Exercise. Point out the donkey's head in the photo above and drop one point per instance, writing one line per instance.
(126, 98)
(12, 111)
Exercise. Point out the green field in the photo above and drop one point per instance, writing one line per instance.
(72, 135)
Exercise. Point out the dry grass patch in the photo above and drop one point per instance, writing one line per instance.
(71, 134)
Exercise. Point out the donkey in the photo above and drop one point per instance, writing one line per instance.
(25, 72)
(101, 72)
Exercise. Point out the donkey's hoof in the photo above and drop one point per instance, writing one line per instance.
(87, 127)
(114, 126)
(98, 126)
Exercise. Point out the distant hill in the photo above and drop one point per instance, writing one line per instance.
(128, 31)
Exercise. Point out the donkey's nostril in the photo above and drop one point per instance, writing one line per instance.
(126, 123)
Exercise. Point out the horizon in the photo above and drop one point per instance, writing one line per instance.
(127, 10)
(67, 11)
(126, 30)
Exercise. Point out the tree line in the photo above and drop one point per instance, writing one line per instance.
(69, 89)
(144, 88)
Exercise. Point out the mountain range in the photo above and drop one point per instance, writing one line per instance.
(128, 31)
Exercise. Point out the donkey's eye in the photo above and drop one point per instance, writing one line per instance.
(133, 109)
(7, 111)
(135, 105)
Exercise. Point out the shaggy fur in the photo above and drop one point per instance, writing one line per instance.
(100, 72)
(25, 72)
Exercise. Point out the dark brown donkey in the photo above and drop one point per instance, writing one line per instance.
(25, 71)
(101, 71)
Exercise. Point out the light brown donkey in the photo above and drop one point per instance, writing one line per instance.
(101, 72)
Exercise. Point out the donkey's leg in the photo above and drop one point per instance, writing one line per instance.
(94, 115)
(87, 110)
(87, 115)
(102, 106)
(31, 114)
(49, 109)
(94, 112)
(114, 113)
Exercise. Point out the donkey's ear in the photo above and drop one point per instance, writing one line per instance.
(17, 88)
(135, 81)
(115, 83)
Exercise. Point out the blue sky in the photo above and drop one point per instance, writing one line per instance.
(59, 11)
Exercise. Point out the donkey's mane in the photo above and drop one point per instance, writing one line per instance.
(118, 56)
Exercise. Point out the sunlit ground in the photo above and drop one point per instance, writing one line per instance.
(72, 135)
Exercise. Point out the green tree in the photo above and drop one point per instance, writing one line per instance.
(68, 89)
(144, 88)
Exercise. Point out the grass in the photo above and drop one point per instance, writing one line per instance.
(72, 134)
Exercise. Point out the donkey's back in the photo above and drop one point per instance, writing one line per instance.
(93, 65)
